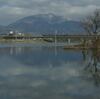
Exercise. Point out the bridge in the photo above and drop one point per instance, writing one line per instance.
(72, 36)
(68, 38)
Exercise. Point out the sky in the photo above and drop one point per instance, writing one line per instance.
(12, 10)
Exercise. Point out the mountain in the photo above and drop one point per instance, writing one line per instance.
(46, 24)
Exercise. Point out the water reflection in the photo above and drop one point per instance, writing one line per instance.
(93, 63)
(40, 56)
(37, 73)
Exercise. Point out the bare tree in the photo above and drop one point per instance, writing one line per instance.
(91, 23)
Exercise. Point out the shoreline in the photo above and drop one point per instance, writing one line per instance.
(64, 45)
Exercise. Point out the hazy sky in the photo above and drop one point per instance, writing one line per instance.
(12, 10)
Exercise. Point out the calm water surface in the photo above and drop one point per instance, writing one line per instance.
(46, 72)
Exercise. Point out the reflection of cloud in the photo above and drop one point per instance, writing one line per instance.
(50, 82)
(38, 83)
(64, 72)
(12, 67)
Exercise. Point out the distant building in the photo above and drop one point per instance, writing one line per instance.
(12, 33)
(20, 34)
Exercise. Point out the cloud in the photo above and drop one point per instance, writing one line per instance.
(12, 10)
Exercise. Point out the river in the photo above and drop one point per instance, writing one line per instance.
(47, 72)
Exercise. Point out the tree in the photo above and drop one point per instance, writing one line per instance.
(91, 23)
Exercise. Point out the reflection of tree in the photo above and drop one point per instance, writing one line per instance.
(84, 53)
(96, 77)
(94, 59)
(92, 65)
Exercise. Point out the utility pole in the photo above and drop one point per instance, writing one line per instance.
(55, 42)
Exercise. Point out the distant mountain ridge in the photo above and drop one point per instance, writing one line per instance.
(46, 24)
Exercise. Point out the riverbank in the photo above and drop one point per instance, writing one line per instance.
(40, 42)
